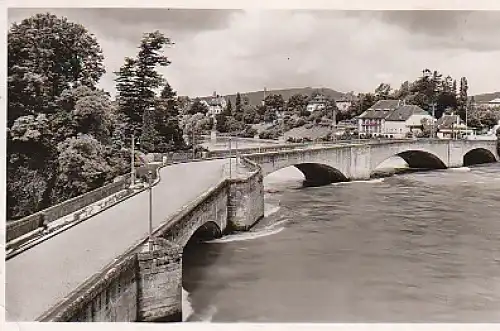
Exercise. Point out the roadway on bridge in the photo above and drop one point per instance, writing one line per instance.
(43, 275)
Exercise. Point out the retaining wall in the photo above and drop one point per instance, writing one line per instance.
(30, 223)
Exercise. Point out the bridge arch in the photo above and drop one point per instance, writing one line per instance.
(206, 231)
(478, 156)
(317, 174)
(419, 159)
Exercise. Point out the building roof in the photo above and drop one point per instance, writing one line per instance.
(380, 109)
(497, 100)
(374, 114)
(216, 101)
(403, 113)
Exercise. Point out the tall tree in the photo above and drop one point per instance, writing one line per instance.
(167, 120)
(198, 107)
(47, 55)
(383, 91)
(228, 111)
(48, 58)
(237, 107)
(297, 103)
(462, 97)
(137, 81)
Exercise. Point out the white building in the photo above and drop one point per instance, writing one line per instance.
(343, 104)
(372, 121)
(216, 105)
(319, 102)
(405, 120)
(392, 119)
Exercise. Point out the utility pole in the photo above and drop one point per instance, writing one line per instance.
(132, 163)
(192, 141)
(150, 182)
(466, 125)
(230, 156)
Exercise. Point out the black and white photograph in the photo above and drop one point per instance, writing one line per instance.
(252, 165)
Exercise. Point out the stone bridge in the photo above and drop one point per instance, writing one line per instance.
(326, 164)
(146, 285)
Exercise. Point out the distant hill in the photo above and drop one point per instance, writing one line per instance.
(255, 98)
(485, 97)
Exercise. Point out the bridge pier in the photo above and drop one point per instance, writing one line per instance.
(245, 203)
(160, 283)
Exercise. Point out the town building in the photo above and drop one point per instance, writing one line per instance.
(343, 104)
(392, 119)
(216, 105)
(405, 120)
(450, 126)
(372, 121)
(319, 102)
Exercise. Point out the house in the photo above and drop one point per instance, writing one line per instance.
(372, 121)
(216, 105)
(404, 120)
(449, 126)
(392, 119)
(319, 102)
(343, 104)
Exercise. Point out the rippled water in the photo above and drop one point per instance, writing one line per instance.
(420, 247)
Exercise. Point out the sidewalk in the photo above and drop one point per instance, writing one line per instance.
(61, 224)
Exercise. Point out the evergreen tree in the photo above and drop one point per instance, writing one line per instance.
(167, 120)
(137, 81)
(237, 107)
(228, 111)
(462, 97)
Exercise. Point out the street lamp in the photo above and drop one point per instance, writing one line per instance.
(230, 157)
(150, 182)
(132, 160)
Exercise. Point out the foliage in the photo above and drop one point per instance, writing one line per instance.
(82, 167)
(169, 134)
(198, 107)
(137, 81)
(47, 55)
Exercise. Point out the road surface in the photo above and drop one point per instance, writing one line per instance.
(43, 275)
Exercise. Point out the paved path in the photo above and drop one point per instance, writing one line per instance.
(40, 277)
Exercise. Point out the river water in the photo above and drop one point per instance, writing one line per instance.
(419, 247)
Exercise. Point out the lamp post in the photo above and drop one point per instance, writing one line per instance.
(132, 162)
(230, 157)
(150, 182)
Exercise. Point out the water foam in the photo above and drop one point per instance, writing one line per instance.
(370, 181)
(461, 169)
(188, 313)
(251, 235)
(187, 308)
(270, 210)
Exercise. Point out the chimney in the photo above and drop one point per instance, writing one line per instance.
(215, 94)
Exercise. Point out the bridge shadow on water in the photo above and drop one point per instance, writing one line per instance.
(197, 258)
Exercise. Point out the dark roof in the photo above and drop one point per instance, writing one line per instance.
(447, 120)
(403, 113)
(380, 109)
(386, 105)
(374, 114)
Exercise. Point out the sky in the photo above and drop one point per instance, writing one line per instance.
(231, 51)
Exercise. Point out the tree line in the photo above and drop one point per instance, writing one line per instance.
(66, 136)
